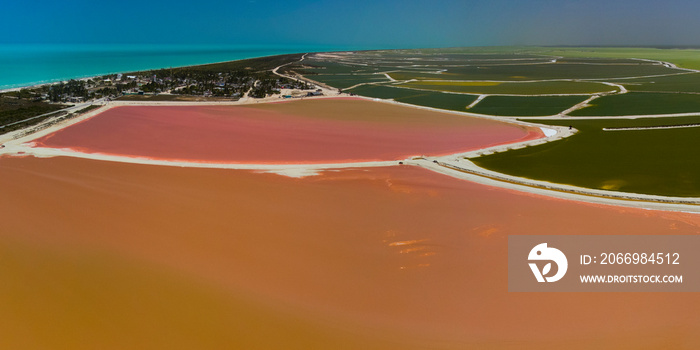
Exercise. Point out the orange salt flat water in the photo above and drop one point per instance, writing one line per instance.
(113, 256)
(309, 131)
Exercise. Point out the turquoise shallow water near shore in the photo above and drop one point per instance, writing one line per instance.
(24, 65)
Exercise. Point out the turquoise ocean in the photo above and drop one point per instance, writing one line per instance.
(25, 65)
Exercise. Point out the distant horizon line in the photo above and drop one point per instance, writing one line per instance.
(353, 47)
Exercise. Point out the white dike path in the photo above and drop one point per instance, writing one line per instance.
(454, 165)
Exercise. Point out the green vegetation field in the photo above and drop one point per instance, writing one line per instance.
(455, 102)
(525, 105)
(346, 81)
(659, 162)
(674, 83)
(685, 58)
(488, 87)
(638, 103)
(13, 110)
(524, 72)
(345, 68)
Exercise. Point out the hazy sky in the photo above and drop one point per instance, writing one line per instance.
(357, 23)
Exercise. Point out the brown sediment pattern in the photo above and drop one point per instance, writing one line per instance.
(312, 131)
(113, 256)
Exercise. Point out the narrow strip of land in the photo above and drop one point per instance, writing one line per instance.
(654, 127)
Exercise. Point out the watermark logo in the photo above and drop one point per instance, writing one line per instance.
(603, 263)
(543, 253)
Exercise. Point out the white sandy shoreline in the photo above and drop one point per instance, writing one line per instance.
(35, 85)
(49, 83)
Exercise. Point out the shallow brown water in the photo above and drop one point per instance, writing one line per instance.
(107, 255)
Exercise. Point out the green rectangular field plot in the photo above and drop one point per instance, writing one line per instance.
(451, 62)
(673, 83)
(355, 66)
(595, 60)
(515, 88)
(555, 71)
(346, 81)
(526, 105)
(327, 67)
(598, 124)
(653, 161)
(455, 102)
(640, 103)
(423, 74)
(687, 58)
(526, 72)
(465, 54)
(387, 92)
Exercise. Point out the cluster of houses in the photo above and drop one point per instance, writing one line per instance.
(207, 85)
